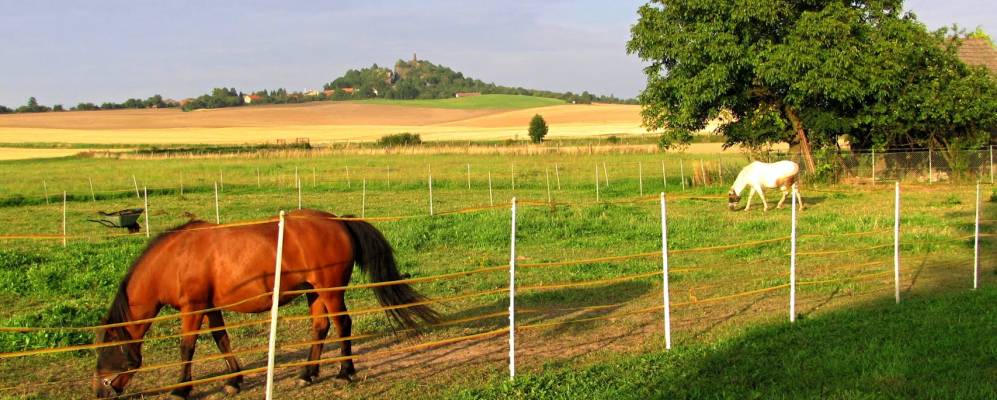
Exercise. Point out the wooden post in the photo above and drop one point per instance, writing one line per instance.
(274, 303)
(512, 294)
(93, 196)
(664, 273)
(145, 192)
(135, 182)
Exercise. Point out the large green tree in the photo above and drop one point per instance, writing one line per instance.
(802, 72)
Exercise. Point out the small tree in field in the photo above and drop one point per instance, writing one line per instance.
(538, 129)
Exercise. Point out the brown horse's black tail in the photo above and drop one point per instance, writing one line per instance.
(373, 252)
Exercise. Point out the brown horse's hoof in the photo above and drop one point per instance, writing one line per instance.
(302, 382)
(230, 389)
(345, 377)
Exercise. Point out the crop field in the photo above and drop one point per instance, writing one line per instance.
(727, 269)
(472, 118)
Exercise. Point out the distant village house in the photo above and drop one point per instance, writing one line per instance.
(250, 98)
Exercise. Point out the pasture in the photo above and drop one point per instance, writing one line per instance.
(574, 317)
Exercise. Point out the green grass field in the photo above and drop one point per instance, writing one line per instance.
(45, 284)
(486, 101)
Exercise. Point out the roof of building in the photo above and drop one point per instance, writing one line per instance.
(979, 51)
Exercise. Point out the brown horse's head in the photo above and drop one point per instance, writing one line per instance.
(732, 199)
(115, 364)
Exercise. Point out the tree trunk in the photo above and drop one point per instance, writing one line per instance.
(794, 118)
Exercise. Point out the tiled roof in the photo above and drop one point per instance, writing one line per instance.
(979, 51)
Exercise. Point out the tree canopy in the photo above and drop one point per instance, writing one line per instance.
(538, 129)
(807, 72)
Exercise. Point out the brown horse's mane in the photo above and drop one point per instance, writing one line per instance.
(119, 311)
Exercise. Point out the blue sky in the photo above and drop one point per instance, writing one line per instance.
(68, 52)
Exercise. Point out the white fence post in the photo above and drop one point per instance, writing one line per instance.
(792, 262)
(682, 172)
(976, 242)
(221, 178)
(430, 190)
(597, 183)
(513, 169)
(145, 192)
(363, 200)
(931, 168)
(63, 219)
(218, 218)
(896, 244)
(557, 175)
(93, 196)
(135, 182)
(640, 177)
(547, 178)
(491, 198)
(348, 184)
(45, 186)
(512, 295)
(605, 173)
(275, 302)
(389, 176)
(469, 176)
(664, 181)
(259, 184)
(664, 273)
(298, 180)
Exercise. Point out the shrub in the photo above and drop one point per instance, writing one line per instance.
(400, 139)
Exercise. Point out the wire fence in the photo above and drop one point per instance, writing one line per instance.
(758, 285)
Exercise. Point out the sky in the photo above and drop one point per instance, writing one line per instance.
(66, 52)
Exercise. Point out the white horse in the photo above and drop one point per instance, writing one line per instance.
(759, 175)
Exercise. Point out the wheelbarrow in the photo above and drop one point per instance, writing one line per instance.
(127, 218)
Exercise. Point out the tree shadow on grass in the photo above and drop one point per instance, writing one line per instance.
(939, 346)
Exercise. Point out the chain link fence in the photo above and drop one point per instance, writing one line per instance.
(927, 166)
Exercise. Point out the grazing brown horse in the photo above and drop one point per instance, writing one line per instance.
(196, 266)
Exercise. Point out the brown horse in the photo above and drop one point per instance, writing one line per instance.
(196, 267)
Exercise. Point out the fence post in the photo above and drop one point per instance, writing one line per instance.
(491, 198)
(512, 295)
(181, 183)
(664, 181)
(93, 196)
(221, 178)
(605, 173)
(931, 168)
(389, 176)
(145, 191)
(640, 177)
(274, 303)
(298, 182)
(682, 172)
(557, 175)
(976, 241)
(314, 180)
(896, 243)
(363, 200)
(469, 176)
(218, 218)
(45, 186)
(874, 166)
(597, 183)
(792, 262)
(135, 182)
(547, 177)
(258, 183)
(348, 184)
(63, 219)
(991, 165)
(664, 273)
(513, 169)
(430, 190)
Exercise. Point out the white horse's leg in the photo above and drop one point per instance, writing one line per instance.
(762, 195)
(783, 199)
(799, 198)
(751, 194)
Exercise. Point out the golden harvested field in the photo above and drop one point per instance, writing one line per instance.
(321, 122)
